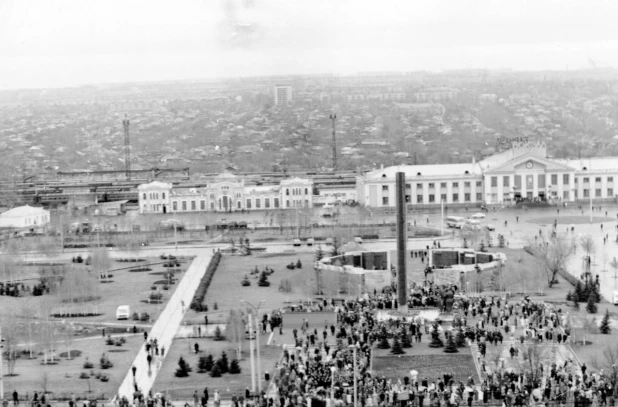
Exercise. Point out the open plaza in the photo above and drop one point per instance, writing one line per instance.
(509, 314)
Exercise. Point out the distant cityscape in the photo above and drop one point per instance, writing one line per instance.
(266, 129)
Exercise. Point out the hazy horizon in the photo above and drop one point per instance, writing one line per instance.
(65, 43)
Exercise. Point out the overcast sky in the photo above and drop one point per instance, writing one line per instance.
(54, 43)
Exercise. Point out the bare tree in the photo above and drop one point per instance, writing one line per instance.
(533, 357)
(29, 326)
(101, 263)
(552, 255)
(608, 362)
(587, 243)
(11, 336)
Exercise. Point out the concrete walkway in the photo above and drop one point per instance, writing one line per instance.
(166, 327)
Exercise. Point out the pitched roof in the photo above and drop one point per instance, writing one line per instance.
(23, 211)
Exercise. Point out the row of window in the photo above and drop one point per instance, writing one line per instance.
(597, 179)
(443, 197)
(506, 179)
(432, 185)
(597, 193)
(296, 191)
(222, 204)
(153, 195)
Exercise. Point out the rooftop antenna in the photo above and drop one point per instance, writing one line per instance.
(127, 147)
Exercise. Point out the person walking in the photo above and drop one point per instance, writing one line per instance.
(216, 398)
(15, 398)
(149, 360)
(134, 369)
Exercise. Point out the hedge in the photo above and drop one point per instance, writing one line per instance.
(202, 288)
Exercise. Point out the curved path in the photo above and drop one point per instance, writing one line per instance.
(166, 327)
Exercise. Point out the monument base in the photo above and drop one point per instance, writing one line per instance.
(403, 309)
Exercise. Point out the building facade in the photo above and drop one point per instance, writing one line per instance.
(226, 193)
(523, 173)
(283, 95)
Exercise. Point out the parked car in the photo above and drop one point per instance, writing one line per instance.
(490, 227)
(172, 224)
(232, 225)
(123, 312)
(242, 225)
(310, 241)
(296, 242)
(329, 241)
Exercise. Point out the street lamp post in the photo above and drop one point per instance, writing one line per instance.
(257, 337)
(353, 347)
(251, 355)
(333, 369)
(1, 367)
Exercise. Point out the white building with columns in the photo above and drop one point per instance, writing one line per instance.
(225, 193)
(523, 173)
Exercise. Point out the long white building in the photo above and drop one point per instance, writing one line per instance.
(523, 173)
(226, 193)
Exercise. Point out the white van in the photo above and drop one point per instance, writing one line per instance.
(454, 221)
(123, 312)
(473, 224)
(615, 299)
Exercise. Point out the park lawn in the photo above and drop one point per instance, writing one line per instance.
(228, 384)
(133, 289)
(432, 366)
(225, 289)
(63, 378)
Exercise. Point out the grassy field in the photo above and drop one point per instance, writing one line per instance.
(63, 378)
(124, 288)
(431, 366)
(226, 291)
(228, 384)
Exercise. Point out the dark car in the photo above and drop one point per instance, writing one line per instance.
(232, 225)
(242, 224)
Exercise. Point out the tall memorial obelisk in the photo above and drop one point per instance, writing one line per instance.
(402, 238)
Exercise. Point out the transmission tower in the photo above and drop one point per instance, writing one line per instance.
(127, 147)
(333, 117)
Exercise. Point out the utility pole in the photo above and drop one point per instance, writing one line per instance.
(127, 147)
(1, 369)
(333, 117)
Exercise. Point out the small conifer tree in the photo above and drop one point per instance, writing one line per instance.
(605, 328)
(234, 367)
(397, 349)
(579, 293)
(460, 339)
(405, 340)
(436, 341)
(223, 363)
(183, 368)
(218, 335)
(383, 344)
(451, 347)
(263, 281)
(591, 306)
(215, 372)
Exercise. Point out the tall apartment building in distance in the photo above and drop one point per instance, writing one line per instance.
(283, 95)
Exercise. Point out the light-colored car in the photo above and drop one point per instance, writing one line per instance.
(490, 227)
(310, 241)
(358, 240)
(123, 312)
(296, 242)
(478, 215)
